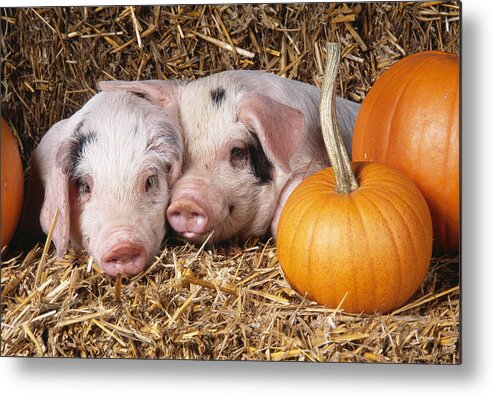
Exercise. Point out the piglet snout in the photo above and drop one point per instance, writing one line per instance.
(127, 258)
(188, 217)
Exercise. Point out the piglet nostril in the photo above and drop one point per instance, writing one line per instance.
(198, 218)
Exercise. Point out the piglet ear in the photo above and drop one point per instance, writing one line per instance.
(159, 92)
(57, 197)
(279, 127)
(167, 142)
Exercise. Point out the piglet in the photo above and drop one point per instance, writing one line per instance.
(108, 169)
(250, 138)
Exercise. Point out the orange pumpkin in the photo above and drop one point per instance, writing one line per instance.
(410, 121)
(12, 179)
(373, 244)
(362, 239)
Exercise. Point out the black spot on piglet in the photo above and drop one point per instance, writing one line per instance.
(142, 96)
(261, 167)
(218, 96)
(75, 149)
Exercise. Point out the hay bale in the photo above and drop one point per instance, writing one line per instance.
(228, 302)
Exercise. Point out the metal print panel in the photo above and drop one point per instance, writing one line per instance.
(151, 154)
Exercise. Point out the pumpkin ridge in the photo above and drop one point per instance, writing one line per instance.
(399, 96)
(310, 239)
(389, 178)
(448, 241)
(316, 180)
(417, 166)
(414, 192)
(292, 234)
(384, 179)
(415, 250)
(372, 265)
(402, 200)
(443, 225)
(398, 288)
(390, 121)
(349, 237)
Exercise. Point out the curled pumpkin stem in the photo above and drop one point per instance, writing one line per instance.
(338, 155)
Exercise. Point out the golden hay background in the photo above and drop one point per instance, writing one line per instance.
(227, 302)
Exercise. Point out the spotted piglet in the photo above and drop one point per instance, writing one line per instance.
(108, 169)
(250, 138)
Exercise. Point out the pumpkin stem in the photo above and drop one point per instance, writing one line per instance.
(338, 155)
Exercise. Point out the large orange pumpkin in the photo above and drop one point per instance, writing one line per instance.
(12, 179)
(410, 121)
(363, 239)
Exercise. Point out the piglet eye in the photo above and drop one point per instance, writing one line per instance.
(238, 154)
(83, 187)
(151, 182)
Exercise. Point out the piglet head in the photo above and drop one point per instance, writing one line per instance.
(239, 147)
(111, 179)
